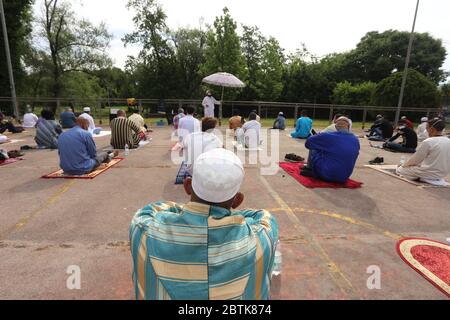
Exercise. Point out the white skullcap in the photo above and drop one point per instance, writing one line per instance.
(344, 119)
(403, 118)
(87, 109)
(281, 113)
(424, 119)
(217, 175)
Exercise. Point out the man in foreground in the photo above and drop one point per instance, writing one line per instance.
(77, 151)
(431, 162)
(204, 249)
(332, 156)
(303, 126)
(125, 132)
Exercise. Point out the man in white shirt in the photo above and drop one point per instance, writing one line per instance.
(252, 130)
(199, 142)
(86, 115)
(431, 162)
(188, 124)
(422, 132)
(29, 119)
(208, 104)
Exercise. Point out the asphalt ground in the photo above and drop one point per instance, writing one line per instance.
(329, 237)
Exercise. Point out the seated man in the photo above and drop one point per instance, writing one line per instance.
(199, 142)
(236, 122)
(29, 119)
(280, 122)
(67, 119)
(8, 125)
(47, 131)
(409, 143)
(332, 156)
(381, 130)
(205, 249)
(87, 115)
(188, 124)
(77, 152)
(431, 162)
(407, 122)
(139, 121)
(251, 130)
(303, 126)
(422, 133)
(125, 132)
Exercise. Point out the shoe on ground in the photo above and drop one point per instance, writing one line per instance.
(377, 160)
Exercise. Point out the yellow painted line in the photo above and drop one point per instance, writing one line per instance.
(392, 235)
(334, 271)
(22, 222)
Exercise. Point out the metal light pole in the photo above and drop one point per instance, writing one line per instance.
(405, 72)
(8, 61)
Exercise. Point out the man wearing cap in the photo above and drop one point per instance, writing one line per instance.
(408, 122)
(29, 118)
(205, 249)
(208, 104)
(67, 118)
(431, 162)
(87, 115)
(422, 133)
(280, 122)
(332, 155)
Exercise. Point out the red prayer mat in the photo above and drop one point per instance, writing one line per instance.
(9, 161)
(293, 169)
(59, 174)
(429, 258)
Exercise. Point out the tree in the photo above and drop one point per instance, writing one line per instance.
(358, 95)
(252, 45)
(155, 68)
(223, 51)
(420, 91)
(272, 65)
(377, 55)
(74, 45)
(18, 23)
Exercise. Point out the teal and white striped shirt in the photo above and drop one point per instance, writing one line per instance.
(201, 252)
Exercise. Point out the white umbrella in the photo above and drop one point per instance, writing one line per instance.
(223, 80)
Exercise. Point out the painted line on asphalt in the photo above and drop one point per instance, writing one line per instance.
(338, 277)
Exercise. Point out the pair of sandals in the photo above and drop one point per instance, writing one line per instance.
(292, 157)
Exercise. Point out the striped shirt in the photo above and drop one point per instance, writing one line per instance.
(47, 133)
(201, 252)
(124, 131)
(138, 120)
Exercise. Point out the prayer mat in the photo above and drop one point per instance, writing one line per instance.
(9, 161)
(182, 174)
(390, 170)
(293, 169)
(431, 259)
(61, 175)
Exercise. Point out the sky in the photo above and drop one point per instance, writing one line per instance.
(324, 26)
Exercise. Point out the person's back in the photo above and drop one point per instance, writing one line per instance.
(386, 128)
(422, 132)
(436, 164)
(335, 155)
(124, 131)
(89, 118)
(77, 151)
(47, 131)
(67, 119)
(188, 124)
(204, 249)
(280, 123)
(138, 120)
(29, 120)
(252, 133)
(303, 127)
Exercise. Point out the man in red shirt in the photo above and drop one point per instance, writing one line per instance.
(408, 122)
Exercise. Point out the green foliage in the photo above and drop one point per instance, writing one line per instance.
(223, 51)
(420, 91)
(18, 23)
(359, 95)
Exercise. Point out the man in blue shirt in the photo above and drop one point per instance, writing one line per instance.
(303, 126)
(77, 150)
(67, 118)
(332, 155)
(280, 122)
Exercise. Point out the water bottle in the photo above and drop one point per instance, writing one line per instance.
(127, 150)
(402, 160)
(277, 261)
